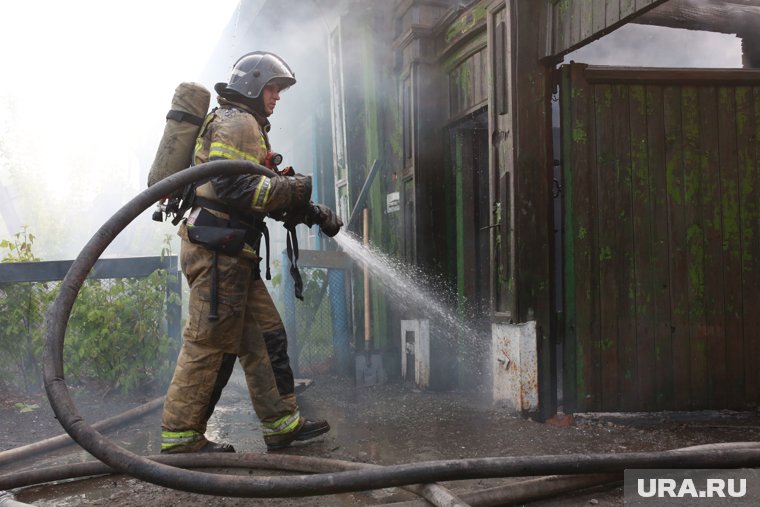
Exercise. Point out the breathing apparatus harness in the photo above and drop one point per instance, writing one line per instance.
(184, 124)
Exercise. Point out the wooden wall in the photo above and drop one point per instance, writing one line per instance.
(661, 176)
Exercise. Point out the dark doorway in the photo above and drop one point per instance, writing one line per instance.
(472, 202)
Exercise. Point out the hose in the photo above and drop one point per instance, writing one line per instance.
(53, 443)
(522, 491)
(340, 482)
(283, 462)
(526, 491)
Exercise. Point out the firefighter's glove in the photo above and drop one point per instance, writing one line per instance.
(329, 223)
(300, 187)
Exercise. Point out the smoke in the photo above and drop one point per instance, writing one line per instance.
(298, 32)
(655, 46)
(84, 94)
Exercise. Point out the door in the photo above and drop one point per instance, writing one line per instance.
(472, 202)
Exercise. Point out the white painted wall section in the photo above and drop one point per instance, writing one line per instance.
(514, 362)
(415, 339)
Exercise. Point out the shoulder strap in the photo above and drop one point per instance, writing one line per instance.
(184, 116)
(292, 244)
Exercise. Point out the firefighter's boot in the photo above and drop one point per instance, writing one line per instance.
(190, 441)
(306, 430)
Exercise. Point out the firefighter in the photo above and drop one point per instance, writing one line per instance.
(231, 314)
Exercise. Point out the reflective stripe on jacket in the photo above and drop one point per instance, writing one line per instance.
(235, 132)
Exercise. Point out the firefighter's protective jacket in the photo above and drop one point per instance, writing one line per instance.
(233, 131)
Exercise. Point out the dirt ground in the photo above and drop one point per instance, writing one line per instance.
(385, 424)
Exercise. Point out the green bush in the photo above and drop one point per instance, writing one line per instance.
(21, 306)
(116, 334)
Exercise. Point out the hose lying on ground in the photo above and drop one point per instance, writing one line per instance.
(526, 490)
(438, 495)
(521, 491)
(399, 475)
(13, 456)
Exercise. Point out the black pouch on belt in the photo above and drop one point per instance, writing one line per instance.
(217, 239)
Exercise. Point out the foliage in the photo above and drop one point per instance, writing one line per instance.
(20, 316)
(26, 407)
(116, 336)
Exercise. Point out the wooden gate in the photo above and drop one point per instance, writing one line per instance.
(661, 189)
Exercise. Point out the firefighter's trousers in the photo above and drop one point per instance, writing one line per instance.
(248, 328)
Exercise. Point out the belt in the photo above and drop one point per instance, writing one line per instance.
(253, 232)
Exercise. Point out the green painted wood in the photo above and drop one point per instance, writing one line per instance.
(714, 294)
(643, 220)
(532, 184)
(694, 193)
(662, 241)
(679, 302)
(459, 206)
(573, 386)
(622, 248)
(748, 132)
(731, 245)
(753, 215)
(660, 251)
(608, 170)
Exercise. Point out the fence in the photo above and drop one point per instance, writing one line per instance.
(319, 327)
(120, 329)
(135, 267)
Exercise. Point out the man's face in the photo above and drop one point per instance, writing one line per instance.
(270, 96)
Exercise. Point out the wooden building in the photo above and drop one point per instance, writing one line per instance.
(659, 289)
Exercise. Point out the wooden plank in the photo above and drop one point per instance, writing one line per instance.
(660, 254)
(584, 363)
(324, 259)
(592, 374)
(663, 76)
(753, 302)
(613, 12)
(678, 266)
(622, 255)
(643, 248)
(732, 274)
(481, 66)
(599, 13)
(710, 176)
(560, 24)
(695, 244)
(607, 164)
(747, 128)
(47, 271)
(534, 173)
(464, 139)
(573, 387)
(627, 8)
(576, 20)
(478, 78)
(586, 20)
